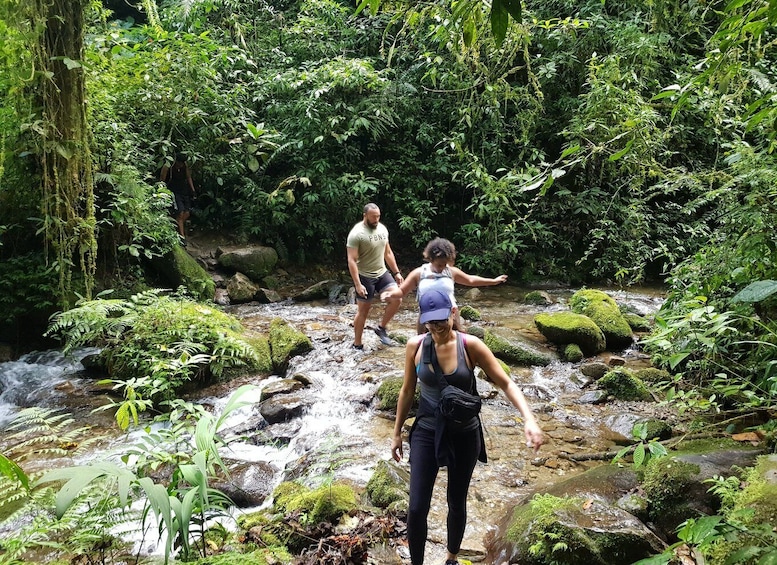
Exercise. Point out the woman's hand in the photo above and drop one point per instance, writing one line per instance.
(534, 436)
(396, 448)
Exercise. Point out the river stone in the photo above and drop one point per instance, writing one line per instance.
(221, 297)
(283, 407)
(178, 268)
(248, 484)
(283, 386)
(538, 298)
(567, 327)
(286, 342)
(593, 397)
(318, 291)
(596, 369)
(241, 289)
(278, 434)
(604, 311)
(255, 261)
(267, 296)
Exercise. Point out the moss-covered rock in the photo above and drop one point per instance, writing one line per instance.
(388, 393)
(604, 311)
(388, 487)
(261, 344)
(572, 353)
(285, 342)
(554, 530)
(470, 314)
(255, 261)
(637, 323)
(567, 327)
(327, 503)
(514, 353)
(654, 429)
(178, 268)
(623, 385)
(262, 556)
(652, 375)
(666, 484)
(537, 298)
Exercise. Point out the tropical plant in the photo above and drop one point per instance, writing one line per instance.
(181, 510)
(152, 345)
(647, 448)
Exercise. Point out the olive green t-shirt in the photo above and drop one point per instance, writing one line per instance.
(371, 245)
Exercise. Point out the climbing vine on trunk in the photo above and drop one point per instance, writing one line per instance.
(66, 160)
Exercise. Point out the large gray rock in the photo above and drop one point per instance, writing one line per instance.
(241, 289)
(248, 484)
(255, 261)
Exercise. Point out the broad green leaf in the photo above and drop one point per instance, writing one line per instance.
(513, 8)
(622, 152)
(756, 291)
(639, 455)
(253, 164)
(569, 151)
(499, 20)
(70, 63)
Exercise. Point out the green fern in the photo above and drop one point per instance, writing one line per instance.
(43, 432)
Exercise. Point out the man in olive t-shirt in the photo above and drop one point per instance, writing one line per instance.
(369, 253)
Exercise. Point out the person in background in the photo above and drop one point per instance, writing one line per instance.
(435, 443)
(178, 179)
(369, 253)
(438, 273)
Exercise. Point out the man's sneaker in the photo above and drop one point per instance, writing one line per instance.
(384, 336)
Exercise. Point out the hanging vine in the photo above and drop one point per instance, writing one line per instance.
(66, 160)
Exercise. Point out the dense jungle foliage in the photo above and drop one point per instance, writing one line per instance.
(586, 142)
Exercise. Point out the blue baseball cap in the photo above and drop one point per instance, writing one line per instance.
(434, 305)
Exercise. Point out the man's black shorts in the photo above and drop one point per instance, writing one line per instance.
(376, 286)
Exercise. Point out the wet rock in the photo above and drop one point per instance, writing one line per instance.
(284, 407)
(572, 353)
(338, 294)
(538, 298)
(284, 386)
(470, 314)
(255, 261)
(221, 297)
(596, 369)
(285, 342)
(278, 434)
(567, 327)
(623, 385)
(604, 312)
(616, 361)
(638, 323)
(593, 397)
(248, 484)
(178, 268)
(654, 428)
(318, 291)
(388, 486)
(473, 294)
(241, 289)
(518, 354)
(580, 379)
(267, 296)
(94, 365)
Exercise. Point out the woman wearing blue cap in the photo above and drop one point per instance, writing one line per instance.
(434, 442)
(438, 273)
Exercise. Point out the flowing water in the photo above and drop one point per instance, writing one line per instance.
(341, 435)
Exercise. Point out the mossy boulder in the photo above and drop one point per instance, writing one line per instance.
(470, 314)
(652, 375)
(285, 342)
(567, 327)
(572, 353)
(637, 323)
(604, 311)
(388, 393)
(327, 503)
(654, 428)
(666, 484)
(537, 298)
(624, 385)
(254, 261)
(261, 345)
(178, 268)
(388, 486)
(552, 530)
(514, 353)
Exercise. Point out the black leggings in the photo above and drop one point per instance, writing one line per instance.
(423, 473)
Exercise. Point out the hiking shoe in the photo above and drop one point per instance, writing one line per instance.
(359, 347)
(383, 335)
